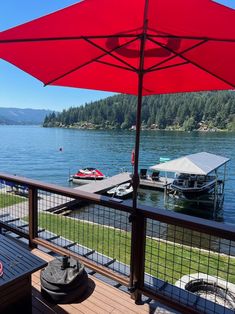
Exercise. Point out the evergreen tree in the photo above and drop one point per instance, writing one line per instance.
(186, 111)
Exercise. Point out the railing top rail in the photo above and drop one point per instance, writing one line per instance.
(191, 222)
(178, 219)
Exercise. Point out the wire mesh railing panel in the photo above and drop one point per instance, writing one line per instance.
(190, 267)
(98, 233)
(14, 206)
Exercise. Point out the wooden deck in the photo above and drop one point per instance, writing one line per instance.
(100, 298)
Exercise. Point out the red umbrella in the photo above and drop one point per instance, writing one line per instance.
(138, 47)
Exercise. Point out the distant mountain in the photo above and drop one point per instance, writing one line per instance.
(23, 116)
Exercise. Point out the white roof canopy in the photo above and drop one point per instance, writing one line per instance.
(199, 163)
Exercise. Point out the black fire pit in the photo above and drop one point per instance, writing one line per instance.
(63, 280)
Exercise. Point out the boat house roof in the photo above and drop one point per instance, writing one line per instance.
(200, 163)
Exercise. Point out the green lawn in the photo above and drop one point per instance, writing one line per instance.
(164, 260)
(9, 199)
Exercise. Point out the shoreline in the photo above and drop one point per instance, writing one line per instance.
(98, 127)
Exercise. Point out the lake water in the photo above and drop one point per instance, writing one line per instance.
(34, 152)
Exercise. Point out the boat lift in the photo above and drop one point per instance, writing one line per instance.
(199, 164)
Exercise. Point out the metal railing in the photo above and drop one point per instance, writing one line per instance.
(183, 261)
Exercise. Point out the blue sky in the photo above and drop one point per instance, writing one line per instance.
(20, 90)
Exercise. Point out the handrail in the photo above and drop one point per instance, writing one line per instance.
(195, 223)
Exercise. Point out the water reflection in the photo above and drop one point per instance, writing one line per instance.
(200, 209)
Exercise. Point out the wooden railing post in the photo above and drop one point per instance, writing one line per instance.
(137, 263)
(33, 215)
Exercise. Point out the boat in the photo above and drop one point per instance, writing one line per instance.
(195, 174)
(87, 175)
(122, 191)
(192, 186)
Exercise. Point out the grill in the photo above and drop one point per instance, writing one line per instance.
(64, 280)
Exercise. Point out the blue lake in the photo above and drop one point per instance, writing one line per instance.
(34, 152)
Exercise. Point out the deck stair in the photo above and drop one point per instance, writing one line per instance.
(12, 220)
(65, 208)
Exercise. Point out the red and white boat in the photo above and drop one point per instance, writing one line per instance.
(87, 175)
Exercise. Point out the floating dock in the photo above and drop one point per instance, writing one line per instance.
(102, 186)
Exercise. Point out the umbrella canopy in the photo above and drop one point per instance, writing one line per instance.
(200, 164)
(186, 45)
(138, 47)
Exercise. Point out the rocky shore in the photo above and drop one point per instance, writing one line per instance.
(91, 126)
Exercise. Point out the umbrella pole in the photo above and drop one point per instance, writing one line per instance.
(135, 178)
(138, 237)
(141, 72)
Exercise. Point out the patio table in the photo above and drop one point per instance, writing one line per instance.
(15, 281)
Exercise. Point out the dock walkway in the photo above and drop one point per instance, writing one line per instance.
(160, 184)
(104, 185)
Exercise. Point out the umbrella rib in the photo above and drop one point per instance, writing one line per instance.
(114, 65)
(152, 68)
(84, 64)
(195, 64)
(116, 36)
(192, 37)
(19, 40)
(110, 52)
(170, 66)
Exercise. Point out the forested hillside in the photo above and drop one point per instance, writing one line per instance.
(187, 111)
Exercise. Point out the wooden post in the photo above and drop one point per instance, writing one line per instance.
(33, 215)
(137, 264)
(215, 193)
(225, 168)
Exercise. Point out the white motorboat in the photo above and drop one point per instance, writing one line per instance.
(121, 191)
